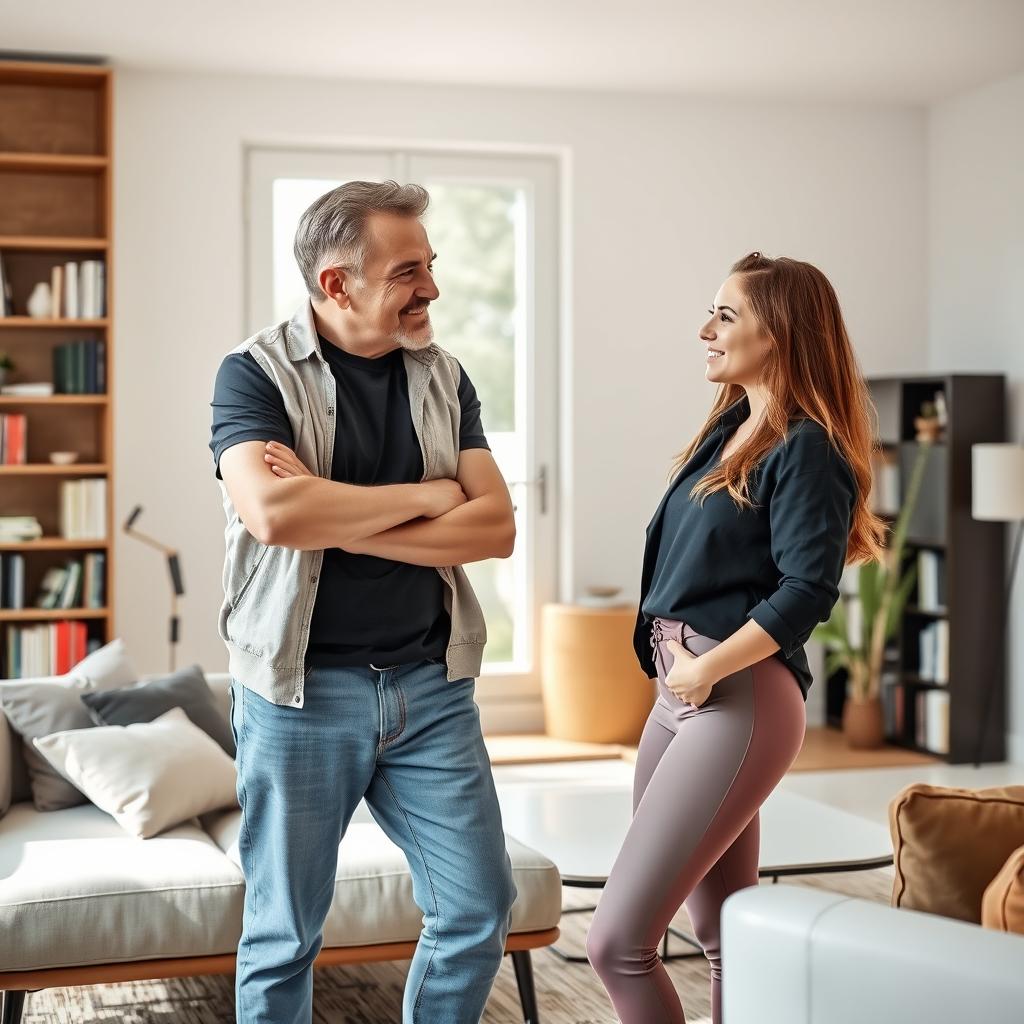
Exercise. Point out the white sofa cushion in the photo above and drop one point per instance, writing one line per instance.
(76, 889)
(148, 775)
(373, 899)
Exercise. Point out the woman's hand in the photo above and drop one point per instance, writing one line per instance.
(687, 679)
(283, 461)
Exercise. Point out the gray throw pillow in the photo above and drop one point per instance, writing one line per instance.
(146, 701)
(32, 776)
(37, 709)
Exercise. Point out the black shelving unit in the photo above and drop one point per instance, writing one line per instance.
(972, 555)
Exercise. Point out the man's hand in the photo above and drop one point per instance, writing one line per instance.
(283, 461)
(442, 497)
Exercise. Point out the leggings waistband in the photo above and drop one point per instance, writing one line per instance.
(667, 629)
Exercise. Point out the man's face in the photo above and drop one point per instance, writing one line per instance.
(390, 300)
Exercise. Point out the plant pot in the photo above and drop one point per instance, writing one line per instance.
(862, 723)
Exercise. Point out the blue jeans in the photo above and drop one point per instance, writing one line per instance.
(408, 741)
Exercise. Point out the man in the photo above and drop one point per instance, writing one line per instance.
(357, 481)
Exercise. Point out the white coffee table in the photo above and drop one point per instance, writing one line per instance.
(580, 824)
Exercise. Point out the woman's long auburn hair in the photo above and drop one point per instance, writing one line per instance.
(810, 372)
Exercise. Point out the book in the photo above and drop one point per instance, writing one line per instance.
(46, 649)
(13, 431)
(71, 290)
(83, 512)
(5, 291)
(51, 586)
(12, 580)
(43, 387)
(91, 287)
(56, 290)
(14, 528)
(70, 594)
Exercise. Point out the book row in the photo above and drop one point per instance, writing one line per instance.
(46, 649)
(77, 583)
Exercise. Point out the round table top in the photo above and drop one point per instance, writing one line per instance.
(580, 827)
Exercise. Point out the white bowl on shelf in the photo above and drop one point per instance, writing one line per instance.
(63, 458)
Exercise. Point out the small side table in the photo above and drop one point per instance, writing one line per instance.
(594, 689)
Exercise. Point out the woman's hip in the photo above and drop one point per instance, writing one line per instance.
(766, 681)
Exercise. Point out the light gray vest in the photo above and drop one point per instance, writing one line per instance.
(269, 591)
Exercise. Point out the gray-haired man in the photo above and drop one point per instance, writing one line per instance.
(357, 481)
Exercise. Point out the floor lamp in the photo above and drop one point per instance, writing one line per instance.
(174, 567)
(997, 494)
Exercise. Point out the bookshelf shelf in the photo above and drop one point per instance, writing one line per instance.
(48, 469)
(951, 623)
(56, 226)
(71, 163)
(932, 613)
(51, 243)
(912, 679)
(51, 614)
(38, 323)
(54, 399)
(53, 544)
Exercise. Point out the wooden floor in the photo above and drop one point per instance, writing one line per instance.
(823, 750)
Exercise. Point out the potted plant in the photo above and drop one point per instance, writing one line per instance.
(882, 589)
(5, 364)
(928, 424)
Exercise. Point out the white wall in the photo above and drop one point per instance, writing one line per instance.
(665, 194)
(976, 275)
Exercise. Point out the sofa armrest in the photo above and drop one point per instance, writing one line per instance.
(6, 764)
(795, 955)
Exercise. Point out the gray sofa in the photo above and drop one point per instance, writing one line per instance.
(83, 903)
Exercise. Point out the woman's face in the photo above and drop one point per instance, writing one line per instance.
(732, 330)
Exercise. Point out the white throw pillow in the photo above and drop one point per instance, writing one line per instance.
(107, 668)
(150, 776)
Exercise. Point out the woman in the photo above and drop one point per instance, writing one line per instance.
(744, 554)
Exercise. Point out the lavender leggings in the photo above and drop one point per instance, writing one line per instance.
(701, 775)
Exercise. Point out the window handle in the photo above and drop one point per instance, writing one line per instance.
(541, 481)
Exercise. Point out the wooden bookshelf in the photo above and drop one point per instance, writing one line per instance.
(56, 164)
(971, 556)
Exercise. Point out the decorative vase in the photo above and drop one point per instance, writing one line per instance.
(927, 428)
(38, 304)
(862, 723)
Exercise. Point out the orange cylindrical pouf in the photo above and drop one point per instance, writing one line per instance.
(594, 689)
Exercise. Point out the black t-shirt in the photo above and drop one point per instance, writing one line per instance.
(778, 563)
(367, 609)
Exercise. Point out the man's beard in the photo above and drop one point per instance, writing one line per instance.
(417, 342)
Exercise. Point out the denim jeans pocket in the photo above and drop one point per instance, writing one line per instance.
(231, 710)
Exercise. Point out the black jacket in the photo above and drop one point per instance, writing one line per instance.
(778, 563)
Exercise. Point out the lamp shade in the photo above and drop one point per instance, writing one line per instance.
(997, 490)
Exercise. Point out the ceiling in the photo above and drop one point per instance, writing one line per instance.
(913, 51)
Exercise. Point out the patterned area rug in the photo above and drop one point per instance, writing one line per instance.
(372, 994)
